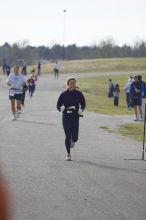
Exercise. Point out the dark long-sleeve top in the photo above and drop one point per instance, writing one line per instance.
(71, 98)
(143, 88)
(133, 92)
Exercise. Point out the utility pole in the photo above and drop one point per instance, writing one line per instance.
(64, 33)
(64, 27)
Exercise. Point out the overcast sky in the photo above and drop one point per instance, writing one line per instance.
(41, 22)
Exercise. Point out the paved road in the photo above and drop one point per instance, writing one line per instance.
(105, 181)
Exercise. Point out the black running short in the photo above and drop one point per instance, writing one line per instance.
(56, 71)
(136, 102)
(16, 97)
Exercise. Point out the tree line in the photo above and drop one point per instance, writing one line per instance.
(106, 49)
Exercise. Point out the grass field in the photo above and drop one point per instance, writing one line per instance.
(99, 65)
(96, 65)
(95, 90)
(134, 131)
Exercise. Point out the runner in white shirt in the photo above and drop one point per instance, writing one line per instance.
(16, 81)
(56, 69)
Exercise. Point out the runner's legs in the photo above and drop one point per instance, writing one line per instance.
(75, 129)
(13, 107)
(18, 105)
(67, 129)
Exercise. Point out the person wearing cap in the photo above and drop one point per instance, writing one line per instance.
(16, 81)
(71, 103)
(127, 91)
(135, 94)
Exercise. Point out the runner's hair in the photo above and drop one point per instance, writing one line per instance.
(69, 79)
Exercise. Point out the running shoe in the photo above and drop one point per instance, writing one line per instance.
(13, 119)
(19, 112)
(17, 115)
(72, 144)
(68, 158)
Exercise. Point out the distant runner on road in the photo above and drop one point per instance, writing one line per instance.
(4, 66)
(56, 69)
(8, 70)
(24, 68)
(72, 104)
(25, 88)
(31, 83)
(39, 68)
(16, 81)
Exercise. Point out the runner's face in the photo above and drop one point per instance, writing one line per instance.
(16, 70)
(72, 85)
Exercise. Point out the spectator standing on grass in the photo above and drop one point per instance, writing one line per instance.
(116, 94)
(56, 69)
(136, 93)
(111, 88)
(143, 86)
(127, 91)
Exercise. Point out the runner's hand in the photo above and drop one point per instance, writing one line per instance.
(80, 112)
(62, 108)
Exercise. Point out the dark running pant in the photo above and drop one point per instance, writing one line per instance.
(56, 72)
(128, 100)
(110, 93)
(116, 101)
(23, 98)
(31, 89)
(71, 129)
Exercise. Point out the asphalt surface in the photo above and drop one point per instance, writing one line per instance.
(106, 180)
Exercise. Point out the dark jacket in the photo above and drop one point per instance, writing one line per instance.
(71, 98)
(136, 90)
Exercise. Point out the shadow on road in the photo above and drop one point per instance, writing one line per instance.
(134, 159)
(108, 167)
(37, 123)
